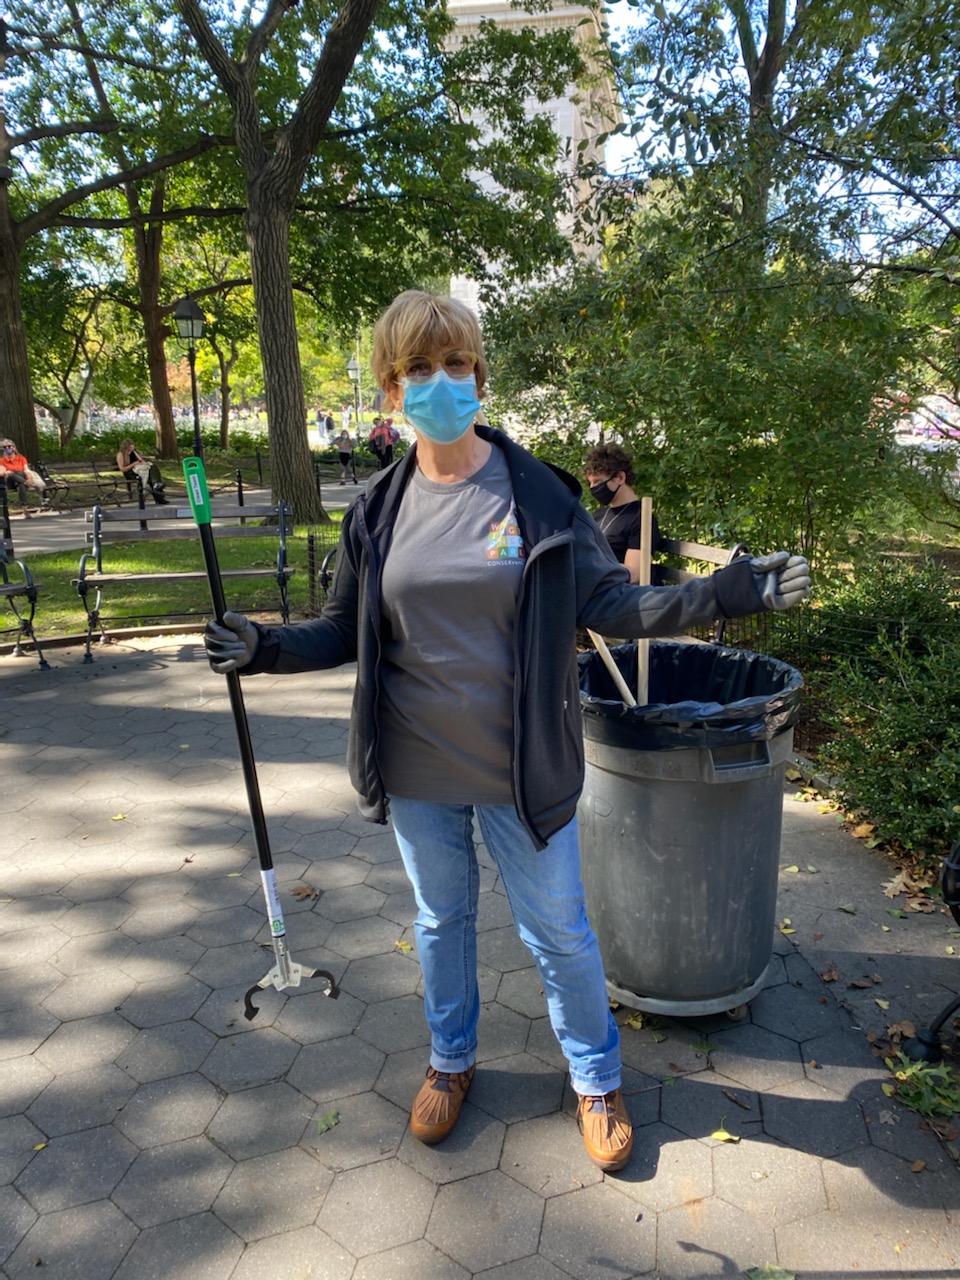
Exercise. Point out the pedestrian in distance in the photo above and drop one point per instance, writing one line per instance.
(346, 446)
(381, 441)
(462, 574)
(609, 473)
(130, 462)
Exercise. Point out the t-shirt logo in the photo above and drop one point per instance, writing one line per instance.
(504, 543)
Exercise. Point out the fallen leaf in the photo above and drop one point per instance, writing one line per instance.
(862, 830)
(119, 817)
(794, 869)
(848, 907)
(184, 746)
(885, 928)
(925, 905)
(403, 946)
(814, 1064)
(883, 1004)
(896, 911)
(899, 884)
(329, 1121)
(813, 870)
(900, 1030)
(792, 774)
(634, 1022)
(918, 1166)
(233, 875)
(303, 891)
(950, 950)
(863, 984)
(39, 1146)
(830, 975)
(721, 1135)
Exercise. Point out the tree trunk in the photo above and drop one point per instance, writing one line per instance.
(268, 233)
(148, 245)
(18, 420)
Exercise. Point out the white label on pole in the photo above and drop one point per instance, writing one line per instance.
(197, 489)
(273, 903)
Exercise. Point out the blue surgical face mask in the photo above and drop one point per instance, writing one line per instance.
(441, 407)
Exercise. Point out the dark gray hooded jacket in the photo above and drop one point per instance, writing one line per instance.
(570, 579)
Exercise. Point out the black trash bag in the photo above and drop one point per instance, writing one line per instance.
(701, 695)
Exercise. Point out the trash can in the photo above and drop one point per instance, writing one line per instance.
(680, 822)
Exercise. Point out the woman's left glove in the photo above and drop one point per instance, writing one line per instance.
(232, 644)
(783, 580)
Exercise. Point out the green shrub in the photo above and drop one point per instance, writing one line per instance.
(895, 712)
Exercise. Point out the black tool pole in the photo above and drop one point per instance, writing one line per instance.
(285, 973)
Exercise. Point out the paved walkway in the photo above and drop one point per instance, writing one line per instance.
(150, 1131)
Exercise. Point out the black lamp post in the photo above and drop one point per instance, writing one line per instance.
(189, 321)
(353, 369)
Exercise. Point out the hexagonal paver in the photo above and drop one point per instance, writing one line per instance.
(160, 920)
(547, 1156)
(82, 1099)
(16, 1219)
(517, 1088)
(709, 1237)
(76, 1169)
(160, 958)
(166, 1000)
(768, 1181)
(756, 1058)
(854, 1246)
(411, 1262)
(272, 1194)
(700, 1106)
(841, 1062)
(666, 1169)
(169, 1111)
(23, 1080)
(596, 1234)
(795, 1013)
(19, 1140)
(369, 1129)
(174, 1248)
(402, 1199)
(809, 1118)
(230, 924)
(173, 1181)
(257, 1121)
(94, 917)
(308, 1254)
(88, 994)
(89, 1241)
(475, 1146)
(24, 1030)
(309, 1015)
(484, 1221)
(172, 1050)
(383, 977)
(91, 953)
(335, 1068)
(371, 936)
(395, 1025)
(86, 1043)
(232, 965)
(238, 1062)
(30, 946)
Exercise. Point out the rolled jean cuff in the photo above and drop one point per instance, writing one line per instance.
(595, 1088)
(453, 1065)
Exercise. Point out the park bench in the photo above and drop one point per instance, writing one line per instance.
(20, 593)
(71, 484)
(115, 528)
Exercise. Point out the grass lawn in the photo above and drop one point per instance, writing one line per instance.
(60, 610)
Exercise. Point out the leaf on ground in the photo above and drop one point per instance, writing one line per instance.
(830, 975)
(896, 911)
(900, 1030)
(303, 891)
(769, 1272)
(329, 1121)
(792, 774)
(848, 907)
(883, 1004)
(721, 1135)
(862, 830)
(39, 1146)
(794, 869)
(784, 926)
(658, 1036)
(119, 817)
(862, 984)
(900, 883)
(403, 946)
(814, 871)
(926, 905)
(635, 1021)
(918, 1166)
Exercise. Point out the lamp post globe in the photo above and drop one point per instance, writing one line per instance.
(353, 371)
(189, 321)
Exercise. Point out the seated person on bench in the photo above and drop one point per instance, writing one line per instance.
(17, 474)
(130, 462)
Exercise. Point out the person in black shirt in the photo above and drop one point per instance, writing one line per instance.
(609, 472)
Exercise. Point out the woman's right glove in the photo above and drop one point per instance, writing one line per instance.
(232, 644)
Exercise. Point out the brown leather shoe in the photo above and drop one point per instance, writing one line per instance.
(607, 1130)
(436, 1107)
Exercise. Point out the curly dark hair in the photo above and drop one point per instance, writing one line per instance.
(608, 459)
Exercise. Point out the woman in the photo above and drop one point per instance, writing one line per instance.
(130, 462)
(345, 447)
(609, 472)
(462, 574)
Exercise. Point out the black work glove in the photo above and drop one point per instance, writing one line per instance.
(232, 644)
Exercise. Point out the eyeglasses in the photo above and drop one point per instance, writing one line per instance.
(456, 364)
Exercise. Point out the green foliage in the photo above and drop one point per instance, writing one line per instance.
(888, 683)
(927, 1089)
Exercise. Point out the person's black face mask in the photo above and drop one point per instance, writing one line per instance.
(603, 493)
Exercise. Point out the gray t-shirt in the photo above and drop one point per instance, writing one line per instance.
(450, 583)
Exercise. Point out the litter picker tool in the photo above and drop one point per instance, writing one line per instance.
(285, 973)
(646, 575)
(604, 651)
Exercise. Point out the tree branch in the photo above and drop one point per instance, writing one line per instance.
(64, 131)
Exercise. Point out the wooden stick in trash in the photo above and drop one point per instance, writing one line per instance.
(643, 646)
(604, 651)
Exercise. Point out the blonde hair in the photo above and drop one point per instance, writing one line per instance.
(417, 323)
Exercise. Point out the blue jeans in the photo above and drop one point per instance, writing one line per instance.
(546, 898)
